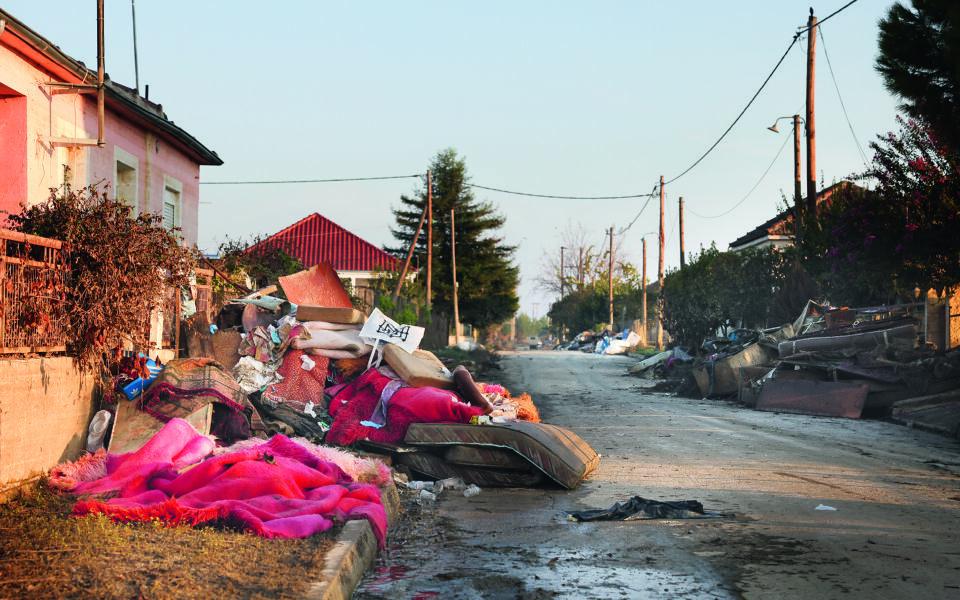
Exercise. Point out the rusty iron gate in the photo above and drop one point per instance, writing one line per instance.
(34, 275)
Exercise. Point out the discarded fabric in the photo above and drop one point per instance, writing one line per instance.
(638, 508)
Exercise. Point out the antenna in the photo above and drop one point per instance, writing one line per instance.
(136, 68)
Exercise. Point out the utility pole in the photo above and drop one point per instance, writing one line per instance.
(797, 197)
(660, 274)
(429, 238)
(683, 260)
(562, 248)
(644, 332)
(610, 280)
(406, 263)
(453, 256)
(811, 130)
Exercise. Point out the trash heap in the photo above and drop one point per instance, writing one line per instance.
(831, 362)
(284, 387)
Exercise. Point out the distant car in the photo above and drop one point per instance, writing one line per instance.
(534, 342)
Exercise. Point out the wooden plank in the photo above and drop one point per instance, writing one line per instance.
(420, 369)
(823, 398)
(330, 314)
(133, 428)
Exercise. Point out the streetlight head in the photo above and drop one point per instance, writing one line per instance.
(773, 128)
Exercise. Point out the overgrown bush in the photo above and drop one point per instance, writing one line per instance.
(120, 265)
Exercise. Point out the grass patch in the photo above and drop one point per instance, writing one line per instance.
(45, 552)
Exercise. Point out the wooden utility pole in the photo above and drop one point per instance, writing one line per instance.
(811, 130)
(683, 260)
(610, 280)
(406, 263)
(660, 274)
(453, 256)
(562, 248)
(644, 332)
(797, 196)
(429, 239)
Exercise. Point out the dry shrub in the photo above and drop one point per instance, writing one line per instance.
(120, 264)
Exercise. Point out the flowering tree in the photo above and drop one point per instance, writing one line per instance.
(876, 245)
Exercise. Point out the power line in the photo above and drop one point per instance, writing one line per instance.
(755, 186)
(720, 139)
(824, 20)
(279, 181)
(842, 105)
(649, 198)
(502, 191)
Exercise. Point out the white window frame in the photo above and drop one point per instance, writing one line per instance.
(131, 162)
(176, 187)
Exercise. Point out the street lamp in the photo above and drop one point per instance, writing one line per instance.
(798, 200)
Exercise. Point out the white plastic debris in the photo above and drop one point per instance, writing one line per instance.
(471, 491)
(824, 507)
(307, 363)
(98, 427)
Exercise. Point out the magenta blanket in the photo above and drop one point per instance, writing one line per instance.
(276, 489)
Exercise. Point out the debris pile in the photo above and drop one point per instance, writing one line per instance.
(242, 428)
(831, 362)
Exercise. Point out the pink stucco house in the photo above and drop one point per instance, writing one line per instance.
(49, 135)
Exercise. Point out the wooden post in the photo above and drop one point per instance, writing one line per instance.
(610, 280)
(453, 256)
(429, 300)
(797, 195)
(644, 332)
(562, 248)
(406, 263)
(683, 259)
(811, 130)
(660, 274)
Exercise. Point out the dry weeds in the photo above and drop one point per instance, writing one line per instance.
(45, 552)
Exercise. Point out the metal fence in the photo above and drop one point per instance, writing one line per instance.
(34, 276)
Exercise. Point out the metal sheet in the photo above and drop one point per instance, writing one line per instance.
(823, 398)
(318, 286)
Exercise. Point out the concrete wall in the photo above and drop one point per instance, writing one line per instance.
(45, 410)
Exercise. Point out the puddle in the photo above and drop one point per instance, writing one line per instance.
(478, 572)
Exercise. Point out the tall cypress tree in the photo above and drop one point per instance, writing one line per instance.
(919, 61)
(486, 274)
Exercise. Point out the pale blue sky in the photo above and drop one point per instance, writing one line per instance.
(563, 98)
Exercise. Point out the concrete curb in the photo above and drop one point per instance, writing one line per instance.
(354, 553)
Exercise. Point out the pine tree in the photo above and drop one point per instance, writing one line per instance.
(486, 274)
(919, 61)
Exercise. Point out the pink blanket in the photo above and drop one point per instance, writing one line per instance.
(356, 403)
(276, 489)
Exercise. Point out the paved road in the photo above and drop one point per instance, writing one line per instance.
(894, 533)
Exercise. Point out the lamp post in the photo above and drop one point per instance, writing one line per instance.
(798, 199)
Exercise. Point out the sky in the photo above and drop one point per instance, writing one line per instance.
(557, 98)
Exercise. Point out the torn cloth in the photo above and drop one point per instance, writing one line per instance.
(186, 385)
(638, 508)
(275, 489)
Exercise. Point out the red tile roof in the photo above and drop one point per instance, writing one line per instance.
(315, 239)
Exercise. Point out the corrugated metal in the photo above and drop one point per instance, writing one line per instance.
(316, 238)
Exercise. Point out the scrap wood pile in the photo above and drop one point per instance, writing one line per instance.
(242, 430)
(833, 362)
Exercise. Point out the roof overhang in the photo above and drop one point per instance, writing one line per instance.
(48, 58)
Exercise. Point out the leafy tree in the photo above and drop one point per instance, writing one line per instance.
(877, 245)
(919, 60)
(487, 278)
(261, 259)
(721, 290)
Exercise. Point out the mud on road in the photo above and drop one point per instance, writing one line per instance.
(893, 534)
